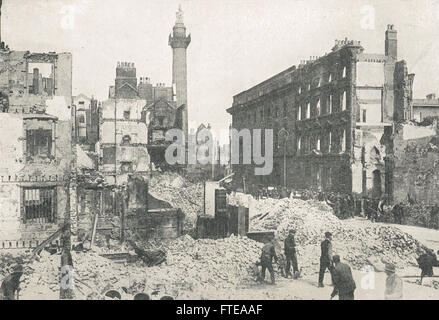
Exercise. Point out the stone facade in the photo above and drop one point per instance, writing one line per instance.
(412, 163)
(335, 109)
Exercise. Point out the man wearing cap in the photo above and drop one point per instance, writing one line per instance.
(344, 284)
(268, 253)
(325, 258)
(290, 254)
(10, 285)
(393, 284)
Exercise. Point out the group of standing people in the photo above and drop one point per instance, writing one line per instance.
(341, 273)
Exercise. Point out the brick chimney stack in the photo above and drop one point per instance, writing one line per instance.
(391, 48)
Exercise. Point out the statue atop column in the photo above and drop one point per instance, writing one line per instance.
(179, 14)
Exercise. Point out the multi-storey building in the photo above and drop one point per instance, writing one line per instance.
(328, 115)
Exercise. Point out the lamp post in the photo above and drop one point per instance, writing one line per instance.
(283, 133)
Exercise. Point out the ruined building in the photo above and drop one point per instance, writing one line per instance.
(136, 116)
(425, 108)
(36, 144)
(335, 109)
(87, 121)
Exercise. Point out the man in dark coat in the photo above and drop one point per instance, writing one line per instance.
(398, 213)
(344, 284)
(290, 254)
(325, 258)
(426, 262)
(268, 253)
(10, 285)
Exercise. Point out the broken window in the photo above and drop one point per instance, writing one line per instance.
(109, 155)
(41, 78)
(39, 143)
(126, 115)
(39, 205)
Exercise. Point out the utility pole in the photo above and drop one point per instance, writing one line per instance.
(283, 133)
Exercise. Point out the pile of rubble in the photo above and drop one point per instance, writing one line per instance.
(192, 266)
(180, 193)
(355, 243)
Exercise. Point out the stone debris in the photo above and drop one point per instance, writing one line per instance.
(191, 266)
(180, 193)
(354, 243)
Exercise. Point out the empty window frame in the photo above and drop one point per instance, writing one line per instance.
(39, 143)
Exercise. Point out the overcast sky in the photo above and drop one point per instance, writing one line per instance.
(235, 43)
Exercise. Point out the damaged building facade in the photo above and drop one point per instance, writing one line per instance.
(335, 109)
(36, 131)
(135, 118)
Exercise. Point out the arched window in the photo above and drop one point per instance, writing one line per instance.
(344, 73)
(318, 144)
(343, 101)
(318, 108)
(308, 110)
(126, 140)
(330, 78)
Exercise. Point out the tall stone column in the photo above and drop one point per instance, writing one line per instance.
(179, 43)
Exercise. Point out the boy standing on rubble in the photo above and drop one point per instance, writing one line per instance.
(325, 258)
(268, 253)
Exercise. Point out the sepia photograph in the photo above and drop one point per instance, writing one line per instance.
(219, 150)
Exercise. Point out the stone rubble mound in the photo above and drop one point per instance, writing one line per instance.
(192, 266)
(355, 243)
(180, 193)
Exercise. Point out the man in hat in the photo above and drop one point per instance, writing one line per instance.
(393, 284)
(344, 284)
(268, 253)
(10, 285)
(325, 257)
(290, 254)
